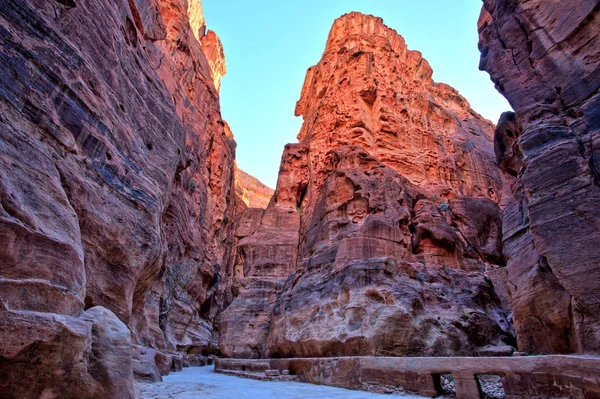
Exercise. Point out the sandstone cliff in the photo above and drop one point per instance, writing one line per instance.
(544, 57)
(126, 229)
(385, 218)
(252, 192)
(116, 193)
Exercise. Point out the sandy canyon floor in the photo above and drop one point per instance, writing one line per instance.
(196, 382)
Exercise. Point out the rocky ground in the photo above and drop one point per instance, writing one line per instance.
(194, 382)
(491, 386)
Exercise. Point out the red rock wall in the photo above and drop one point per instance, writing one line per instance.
(266, 255)
(372, 91)
(544, 58)
(396, 189)
(252, 192)
(116, 189)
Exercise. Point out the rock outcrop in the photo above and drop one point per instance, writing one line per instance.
(49, 355)
(116, 193)
(266, 254)
(544, 57)
(251, 191)
(384, 221)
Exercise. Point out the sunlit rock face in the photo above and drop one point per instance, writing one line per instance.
(392, 217)
(116, 193)
(251, 191)
(213, 48)
(211, 44)
(544, 58)
(383, 99)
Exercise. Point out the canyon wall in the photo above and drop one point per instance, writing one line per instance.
(384, 232)
(544, 57)
(116, 192)
(127, 232)
(251, 191)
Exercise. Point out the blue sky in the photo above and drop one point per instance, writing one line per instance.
(269, 45)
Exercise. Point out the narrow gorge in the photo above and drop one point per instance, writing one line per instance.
(407, 237)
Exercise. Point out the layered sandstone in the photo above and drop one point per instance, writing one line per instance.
(389, 205)
(252, 192)
(544, 57)
(116, 190)
(266, 254)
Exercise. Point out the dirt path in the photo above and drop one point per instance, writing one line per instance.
(203, 382)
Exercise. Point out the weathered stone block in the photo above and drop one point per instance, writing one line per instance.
(272, 373)
(466, 388)
(543, 378)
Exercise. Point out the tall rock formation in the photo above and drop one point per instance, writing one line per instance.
(384, 221)
(116, 194)
(544, 57)
(266, 253)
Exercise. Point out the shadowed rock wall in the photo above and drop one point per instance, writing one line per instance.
(544, 58)
(116, 192)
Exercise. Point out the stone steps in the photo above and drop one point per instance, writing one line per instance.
(244, 365)
(256, 375)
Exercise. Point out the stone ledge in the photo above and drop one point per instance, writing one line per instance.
(530, 377)
(254, 375)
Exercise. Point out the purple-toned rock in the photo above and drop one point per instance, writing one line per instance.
(50, 355)
(543, 57)
(116, 190)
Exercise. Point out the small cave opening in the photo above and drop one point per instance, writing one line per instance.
(302, 190)
(88, 303)
(214, 281)
(205, 307)
(412, 228)
(67, 3)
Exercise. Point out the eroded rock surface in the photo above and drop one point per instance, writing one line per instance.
(252, 192)
(116, 190)
(544, 58)
(47, 355)
(266, 254)
(389, 205)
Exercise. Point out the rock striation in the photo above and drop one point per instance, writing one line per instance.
(132, 245)
(545, 59)
(251, 191)
(266, 253)
(116, 194)
(385, 221)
